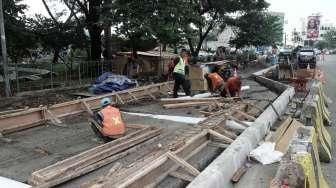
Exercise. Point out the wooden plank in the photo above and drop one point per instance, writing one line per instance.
(283, 143)
(54, 119)
(218, 145)
(182, 163)
(87, 108)
(92, 159)
(220, 136)
(245, 115)
(181, 176)
(281, 130)
(185, 105)
(154, 172)
(238, 121)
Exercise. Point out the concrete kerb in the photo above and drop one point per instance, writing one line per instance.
(220, 171)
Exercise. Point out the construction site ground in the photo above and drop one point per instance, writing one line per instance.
(42, 146)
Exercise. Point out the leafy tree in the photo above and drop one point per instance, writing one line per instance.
(133, 22)
(257, 29)
(330, 38)
(18, 36)
(321, 44)
(198, 18)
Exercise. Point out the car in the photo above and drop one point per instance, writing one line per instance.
(306, 57)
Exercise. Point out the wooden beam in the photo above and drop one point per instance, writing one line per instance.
(245, 115)
(182, 163)
(220, 136)
(154, 171)
(185, 105)
(218, 145)
(87, 108)
(238, 121)
(92, 159)
(181, 176)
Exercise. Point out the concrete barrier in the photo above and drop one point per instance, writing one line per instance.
(301, 167)
(218, 174)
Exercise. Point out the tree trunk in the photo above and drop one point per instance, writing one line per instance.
(95, 43)
(4, 53)
(56, 55)
(108, 43)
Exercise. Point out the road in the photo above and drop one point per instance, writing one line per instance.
(329, 68)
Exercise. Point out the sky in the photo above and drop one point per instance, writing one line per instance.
(297, 9)
(294, 10)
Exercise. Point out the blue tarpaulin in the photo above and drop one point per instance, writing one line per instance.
(109, 82)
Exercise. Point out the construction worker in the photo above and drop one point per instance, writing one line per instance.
(229, 88)
(108, 123)
(232, 87)
(215, 82)
(180, 73)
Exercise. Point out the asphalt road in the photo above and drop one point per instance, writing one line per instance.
(329, 68)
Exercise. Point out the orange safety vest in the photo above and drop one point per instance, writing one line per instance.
(215, 80)
(112, 121)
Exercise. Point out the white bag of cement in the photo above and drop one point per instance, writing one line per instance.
(5, 182)
(266, 154)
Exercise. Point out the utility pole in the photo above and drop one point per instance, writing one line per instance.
(4, 52)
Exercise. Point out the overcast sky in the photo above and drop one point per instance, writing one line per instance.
(294, 10)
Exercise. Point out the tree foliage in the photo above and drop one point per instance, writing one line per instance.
(197, 19)
(257, 29)
(19, 37)
(330, 38)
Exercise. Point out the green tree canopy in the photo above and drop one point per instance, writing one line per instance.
(257, 29)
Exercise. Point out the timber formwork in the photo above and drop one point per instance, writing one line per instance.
(36, 116)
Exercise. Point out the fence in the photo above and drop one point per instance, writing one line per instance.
(29, 77)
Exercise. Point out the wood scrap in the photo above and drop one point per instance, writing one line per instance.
(239, 174)
(185, 105)
(182, 163)
(54, 119)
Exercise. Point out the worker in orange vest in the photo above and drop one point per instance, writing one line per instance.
(230, 88)
(109, 124)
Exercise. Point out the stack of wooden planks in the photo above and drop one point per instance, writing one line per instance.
(92, 159)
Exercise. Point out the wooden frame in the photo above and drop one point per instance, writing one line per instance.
(37, 116)
(92, 159)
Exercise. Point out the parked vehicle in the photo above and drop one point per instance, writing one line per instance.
(306, 57)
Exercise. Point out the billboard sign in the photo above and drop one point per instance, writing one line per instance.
(313, 27)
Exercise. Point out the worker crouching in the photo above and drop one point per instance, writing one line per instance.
(230, 88)
(108, 123)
